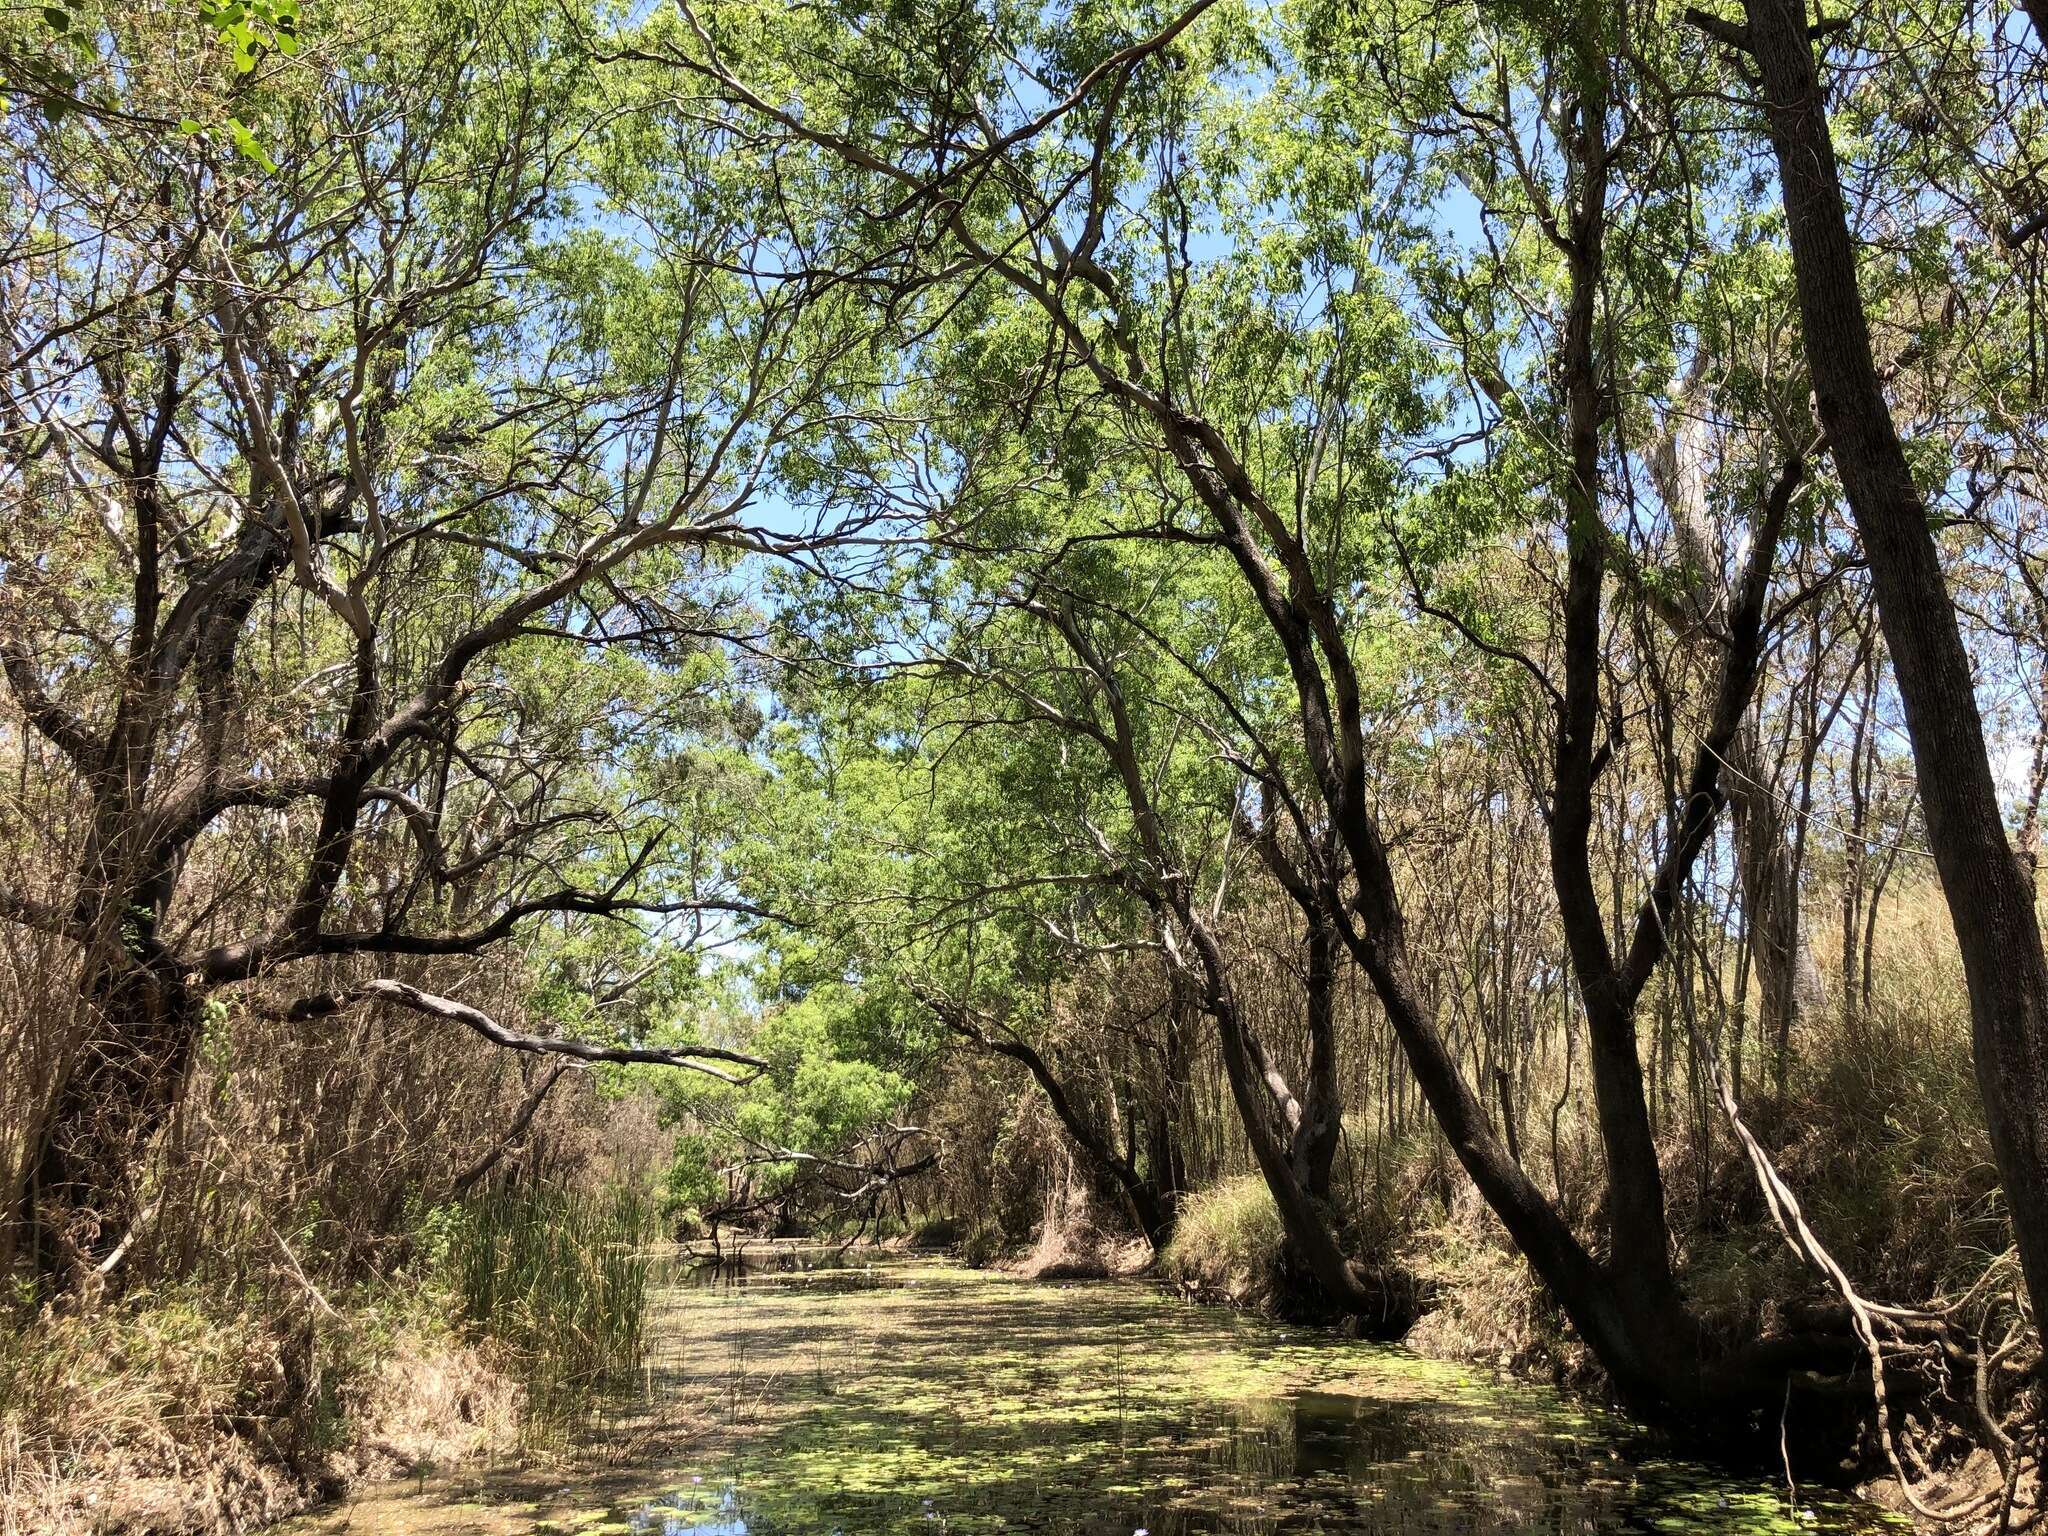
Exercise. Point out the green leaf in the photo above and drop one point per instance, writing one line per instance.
(246, 142)
(189, 125)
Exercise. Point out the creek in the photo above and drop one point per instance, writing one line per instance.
(910, 1395)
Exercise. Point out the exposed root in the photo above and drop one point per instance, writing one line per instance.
(1930, 1337)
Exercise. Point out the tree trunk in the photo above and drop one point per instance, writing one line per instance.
(1166, 1158)
(1990, 897)
(1306, 1219)
(1788, 977)
(1639, 1239)
(1153, 1207)
(84, 1181)
(1322, 1120)
(1781, 954)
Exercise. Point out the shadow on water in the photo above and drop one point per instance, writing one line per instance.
(846, 1394)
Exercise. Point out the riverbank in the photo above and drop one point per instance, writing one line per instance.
(173, 1412)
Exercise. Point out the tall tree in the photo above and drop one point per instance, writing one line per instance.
(1083, 210)
(1990, 893)
(334, 489)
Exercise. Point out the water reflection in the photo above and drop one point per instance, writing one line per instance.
(829, 1394)
(825, 1266)
(939, 1401)
(687, 1513)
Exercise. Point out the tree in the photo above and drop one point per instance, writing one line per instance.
(1990, 893)
(367, 581)
(1090, 225)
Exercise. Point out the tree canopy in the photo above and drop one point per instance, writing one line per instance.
(1262, 578)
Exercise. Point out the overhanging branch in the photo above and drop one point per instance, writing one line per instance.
(689, 1058)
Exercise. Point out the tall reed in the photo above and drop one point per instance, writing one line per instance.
(560, 1276)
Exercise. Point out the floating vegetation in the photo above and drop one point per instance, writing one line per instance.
(947, 1401)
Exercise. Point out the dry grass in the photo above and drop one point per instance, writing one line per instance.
(176, 1415)
(1484, 1302)
(1229, 1244)
(1076, 1239)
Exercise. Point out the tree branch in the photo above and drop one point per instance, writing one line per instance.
(689, 1058)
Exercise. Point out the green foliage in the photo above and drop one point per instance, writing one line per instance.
(252, 28)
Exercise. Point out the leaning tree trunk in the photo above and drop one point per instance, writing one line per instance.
(1990, 895)
(1305, 1219)
(1153, 1204)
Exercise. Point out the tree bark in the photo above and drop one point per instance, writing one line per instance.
(1781, 954)
(1304, 1217)
(1990, 896)
(1639, 1239)
(140, 1039)
(1322, 1119)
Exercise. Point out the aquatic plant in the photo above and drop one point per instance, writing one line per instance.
(558, 1275)
(997, 1406)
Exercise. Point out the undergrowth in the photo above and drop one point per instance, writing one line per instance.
(560, 1276)
(206, 1406)
(1229, 1244)
(188, 1409)
(1877, 1127)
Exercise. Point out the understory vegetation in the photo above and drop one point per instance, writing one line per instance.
(218, 1402)
(1387, 663)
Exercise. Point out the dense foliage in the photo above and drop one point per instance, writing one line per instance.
(1026, 618)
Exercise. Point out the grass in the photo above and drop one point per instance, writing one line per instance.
(560, 1276)
(208, 1405)
(1229, 1242)
(194, 1408)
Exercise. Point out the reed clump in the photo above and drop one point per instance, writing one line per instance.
(560, 1276)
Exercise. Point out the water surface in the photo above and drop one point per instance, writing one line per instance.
(914, 1396)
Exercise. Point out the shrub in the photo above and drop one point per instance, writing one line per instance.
(1229, 1243)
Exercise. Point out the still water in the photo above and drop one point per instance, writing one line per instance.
(914, 1396)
